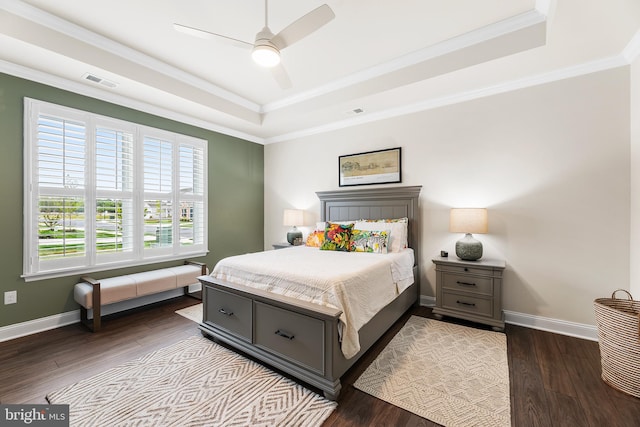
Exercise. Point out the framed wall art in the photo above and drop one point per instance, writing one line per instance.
(371, 167)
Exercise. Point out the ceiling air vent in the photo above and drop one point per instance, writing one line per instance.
(354, 111)
(99, 80)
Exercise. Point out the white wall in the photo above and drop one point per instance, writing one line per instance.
(635, 180)
(550, 162)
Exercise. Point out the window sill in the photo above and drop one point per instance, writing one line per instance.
(33, 277)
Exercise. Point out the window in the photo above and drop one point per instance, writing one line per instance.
(101, 193)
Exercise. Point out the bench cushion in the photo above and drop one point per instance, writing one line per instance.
(120, 288)
(112, 290)
(151, 282)
(186, 274)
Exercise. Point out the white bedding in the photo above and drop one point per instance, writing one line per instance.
(342, 280)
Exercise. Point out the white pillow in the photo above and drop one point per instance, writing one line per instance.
(397, 231)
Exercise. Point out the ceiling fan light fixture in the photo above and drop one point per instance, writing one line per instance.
(266, 55)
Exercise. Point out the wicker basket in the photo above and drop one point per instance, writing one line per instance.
(618, 322)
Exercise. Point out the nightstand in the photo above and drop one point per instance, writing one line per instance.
(281, 245)
(470, 290)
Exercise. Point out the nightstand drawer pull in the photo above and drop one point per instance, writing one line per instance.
(284, 334)
(465, 283)
(226, 313)
(470, 304)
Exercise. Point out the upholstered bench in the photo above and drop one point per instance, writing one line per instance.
(93, 294)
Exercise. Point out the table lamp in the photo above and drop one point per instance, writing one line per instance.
(292, 218)
(468, 221)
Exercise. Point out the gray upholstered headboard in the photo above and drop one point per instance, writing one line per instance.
(375, 203)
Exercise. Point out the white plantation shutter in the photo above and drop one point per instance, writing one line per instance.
(115, 213)
(58, 211)
(61, 153)
(192, 180)
(158, 195)
(114, 160)
(103, 193)
(158, 165)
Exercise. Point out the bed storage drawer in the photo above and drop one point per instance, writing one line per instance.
(296, 337)
(228, 311)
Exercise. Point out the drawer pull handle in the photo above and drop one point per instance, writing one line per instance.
(284, 334)
(470, 304)
(465, 283)
(225, 312)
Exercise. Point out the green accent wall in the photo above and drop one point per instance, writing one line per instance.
(236, 197)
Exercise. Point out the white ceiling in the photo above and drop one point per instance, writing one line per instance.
(383, 57)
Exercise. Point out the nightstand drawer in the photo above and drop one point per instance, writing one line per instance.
(468, 304)
(468, 283)
(228, 311)
(466, 269)
(296, 337)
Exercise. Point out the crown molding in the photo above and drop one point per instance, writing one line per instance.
(124, 101)
(632, 51)
(564, 73)
(534, 17)
(544, 6)
(429, 104)
(480, 35)
(70, 29)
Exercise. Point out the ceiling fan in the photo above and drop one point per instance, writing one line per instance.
(267, 46)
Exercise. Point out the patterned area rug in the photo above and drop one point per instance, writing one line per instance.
(192, 383)
(450, 374)
(193, 312)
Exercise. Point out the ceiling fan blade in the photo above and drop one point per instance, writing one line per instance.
(304, 26)
(209, 35)
(280, 75)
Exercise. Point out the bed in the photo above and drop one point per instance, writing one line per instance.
(297, 335)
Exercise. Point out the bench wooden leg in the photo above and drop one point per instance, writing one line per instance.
(94, 326)
(84, 318)
(203, 271)
(96, 307)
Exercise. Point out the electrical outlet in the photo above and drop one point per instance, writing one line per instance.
(10, 297)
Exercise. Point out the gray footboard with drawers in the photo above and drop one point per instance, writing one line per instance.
(300, 338)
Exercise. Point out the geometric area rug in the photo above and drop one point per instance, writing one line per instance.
(192, 312)
(194, 382)
(450, 374)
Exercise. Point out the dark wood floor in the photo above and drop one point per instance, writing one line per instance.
(555, 380)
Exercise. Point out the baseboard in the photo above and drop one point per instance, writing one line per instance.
(427, 301)
(42, 324)
(562, 327)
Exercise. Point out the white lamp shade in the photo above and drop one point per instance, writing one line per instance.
(293, 217)
(468, 220)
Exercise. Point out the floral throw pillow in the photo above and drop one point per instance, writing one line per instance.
(337, 237)
(315, 239)
(369, 241)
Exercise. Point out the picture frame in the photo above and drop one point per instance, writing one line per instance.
(370, 167)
